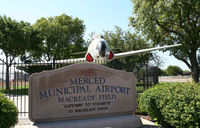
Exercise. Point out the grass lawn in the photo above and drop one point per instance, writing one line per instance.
(16, 90)
(140, 87)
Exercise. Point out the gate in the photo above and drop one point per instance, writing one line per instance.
(14, 83)
(146, 78)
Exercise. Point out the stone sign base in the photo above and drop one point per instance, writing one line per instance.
(121, 121)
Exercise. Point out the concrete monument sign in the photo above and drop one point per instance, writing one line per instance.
(81, 91)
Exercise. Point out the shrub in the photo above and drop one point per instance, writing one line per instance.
(140, 110)
(174, 71)
(173, 105)
(8, 112)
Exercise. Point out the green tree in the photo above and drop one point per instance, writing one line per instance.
(161, 72)
(171, 22)
(174, 71)
(62, 35)
(16, 38)
(122, 41)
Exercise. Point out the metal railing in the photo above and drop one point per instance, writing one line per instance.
(15, 87)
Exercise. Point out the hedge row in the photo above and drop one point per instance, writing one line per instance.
(173, 105)
(8, 112)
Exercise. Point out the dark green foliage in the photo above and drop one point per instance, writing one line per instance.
(140, 110)
(174, 71)
(16, 38)
(173, 105)
(124, 41)
(62, 36)
(34, 69)
(8, 112)
(170, 22)
(161, 72)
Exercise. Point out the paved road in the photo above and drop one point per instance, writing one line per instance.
(173, 79)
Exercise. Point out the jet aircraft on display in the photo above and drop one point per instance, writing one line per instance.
(99, 51)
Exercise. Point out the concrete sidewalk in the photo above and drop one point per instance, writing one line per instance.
(24, 122)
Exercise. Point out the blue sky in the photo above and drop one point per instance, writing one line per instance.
(98, 15)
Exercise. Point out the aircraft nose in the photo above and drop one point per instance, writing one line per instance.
(101, 46)
(102, 54)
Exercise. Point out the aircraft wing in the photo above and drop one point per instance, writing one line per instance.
(125, 54)
(67, 61)
(70, 61)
